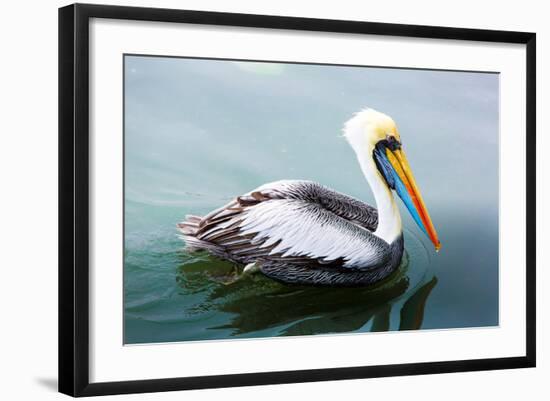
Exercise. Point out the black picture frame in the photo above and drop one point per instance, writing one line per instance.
(74, 198)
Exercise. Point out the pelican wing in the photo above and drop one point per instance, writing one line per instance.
(292, 222)
(344, 206)
(297, 228)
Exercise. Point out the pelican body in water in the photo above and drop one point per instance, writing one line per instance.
(305, 233)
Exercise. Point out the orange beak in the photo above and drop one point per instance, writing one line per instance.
(410, 194)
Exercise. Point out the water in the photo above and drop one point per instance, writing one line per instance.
(198, 132)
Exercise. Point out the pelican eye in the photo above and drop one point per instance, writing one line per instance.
(391, 143)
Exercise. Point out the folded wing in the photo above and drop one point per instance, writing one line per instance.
(294, 223)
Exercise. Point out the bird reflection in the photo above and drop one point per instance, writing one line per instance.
(256, 303)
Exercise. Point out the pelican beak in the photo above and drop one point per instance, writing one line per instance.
(406, 188)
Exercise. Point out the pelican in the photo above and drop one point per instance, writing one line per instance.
(301, 232)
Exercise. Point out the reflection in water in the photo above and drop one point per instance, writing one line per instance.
(412, 312)
(258, 304)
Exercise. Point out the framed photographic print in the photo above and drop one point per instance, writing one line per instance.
(251, 199)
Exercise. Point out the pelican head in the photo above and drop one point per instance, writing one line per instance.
(376, 141)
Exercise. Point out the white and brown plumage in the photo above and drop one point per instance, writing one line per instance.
(302, 232)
